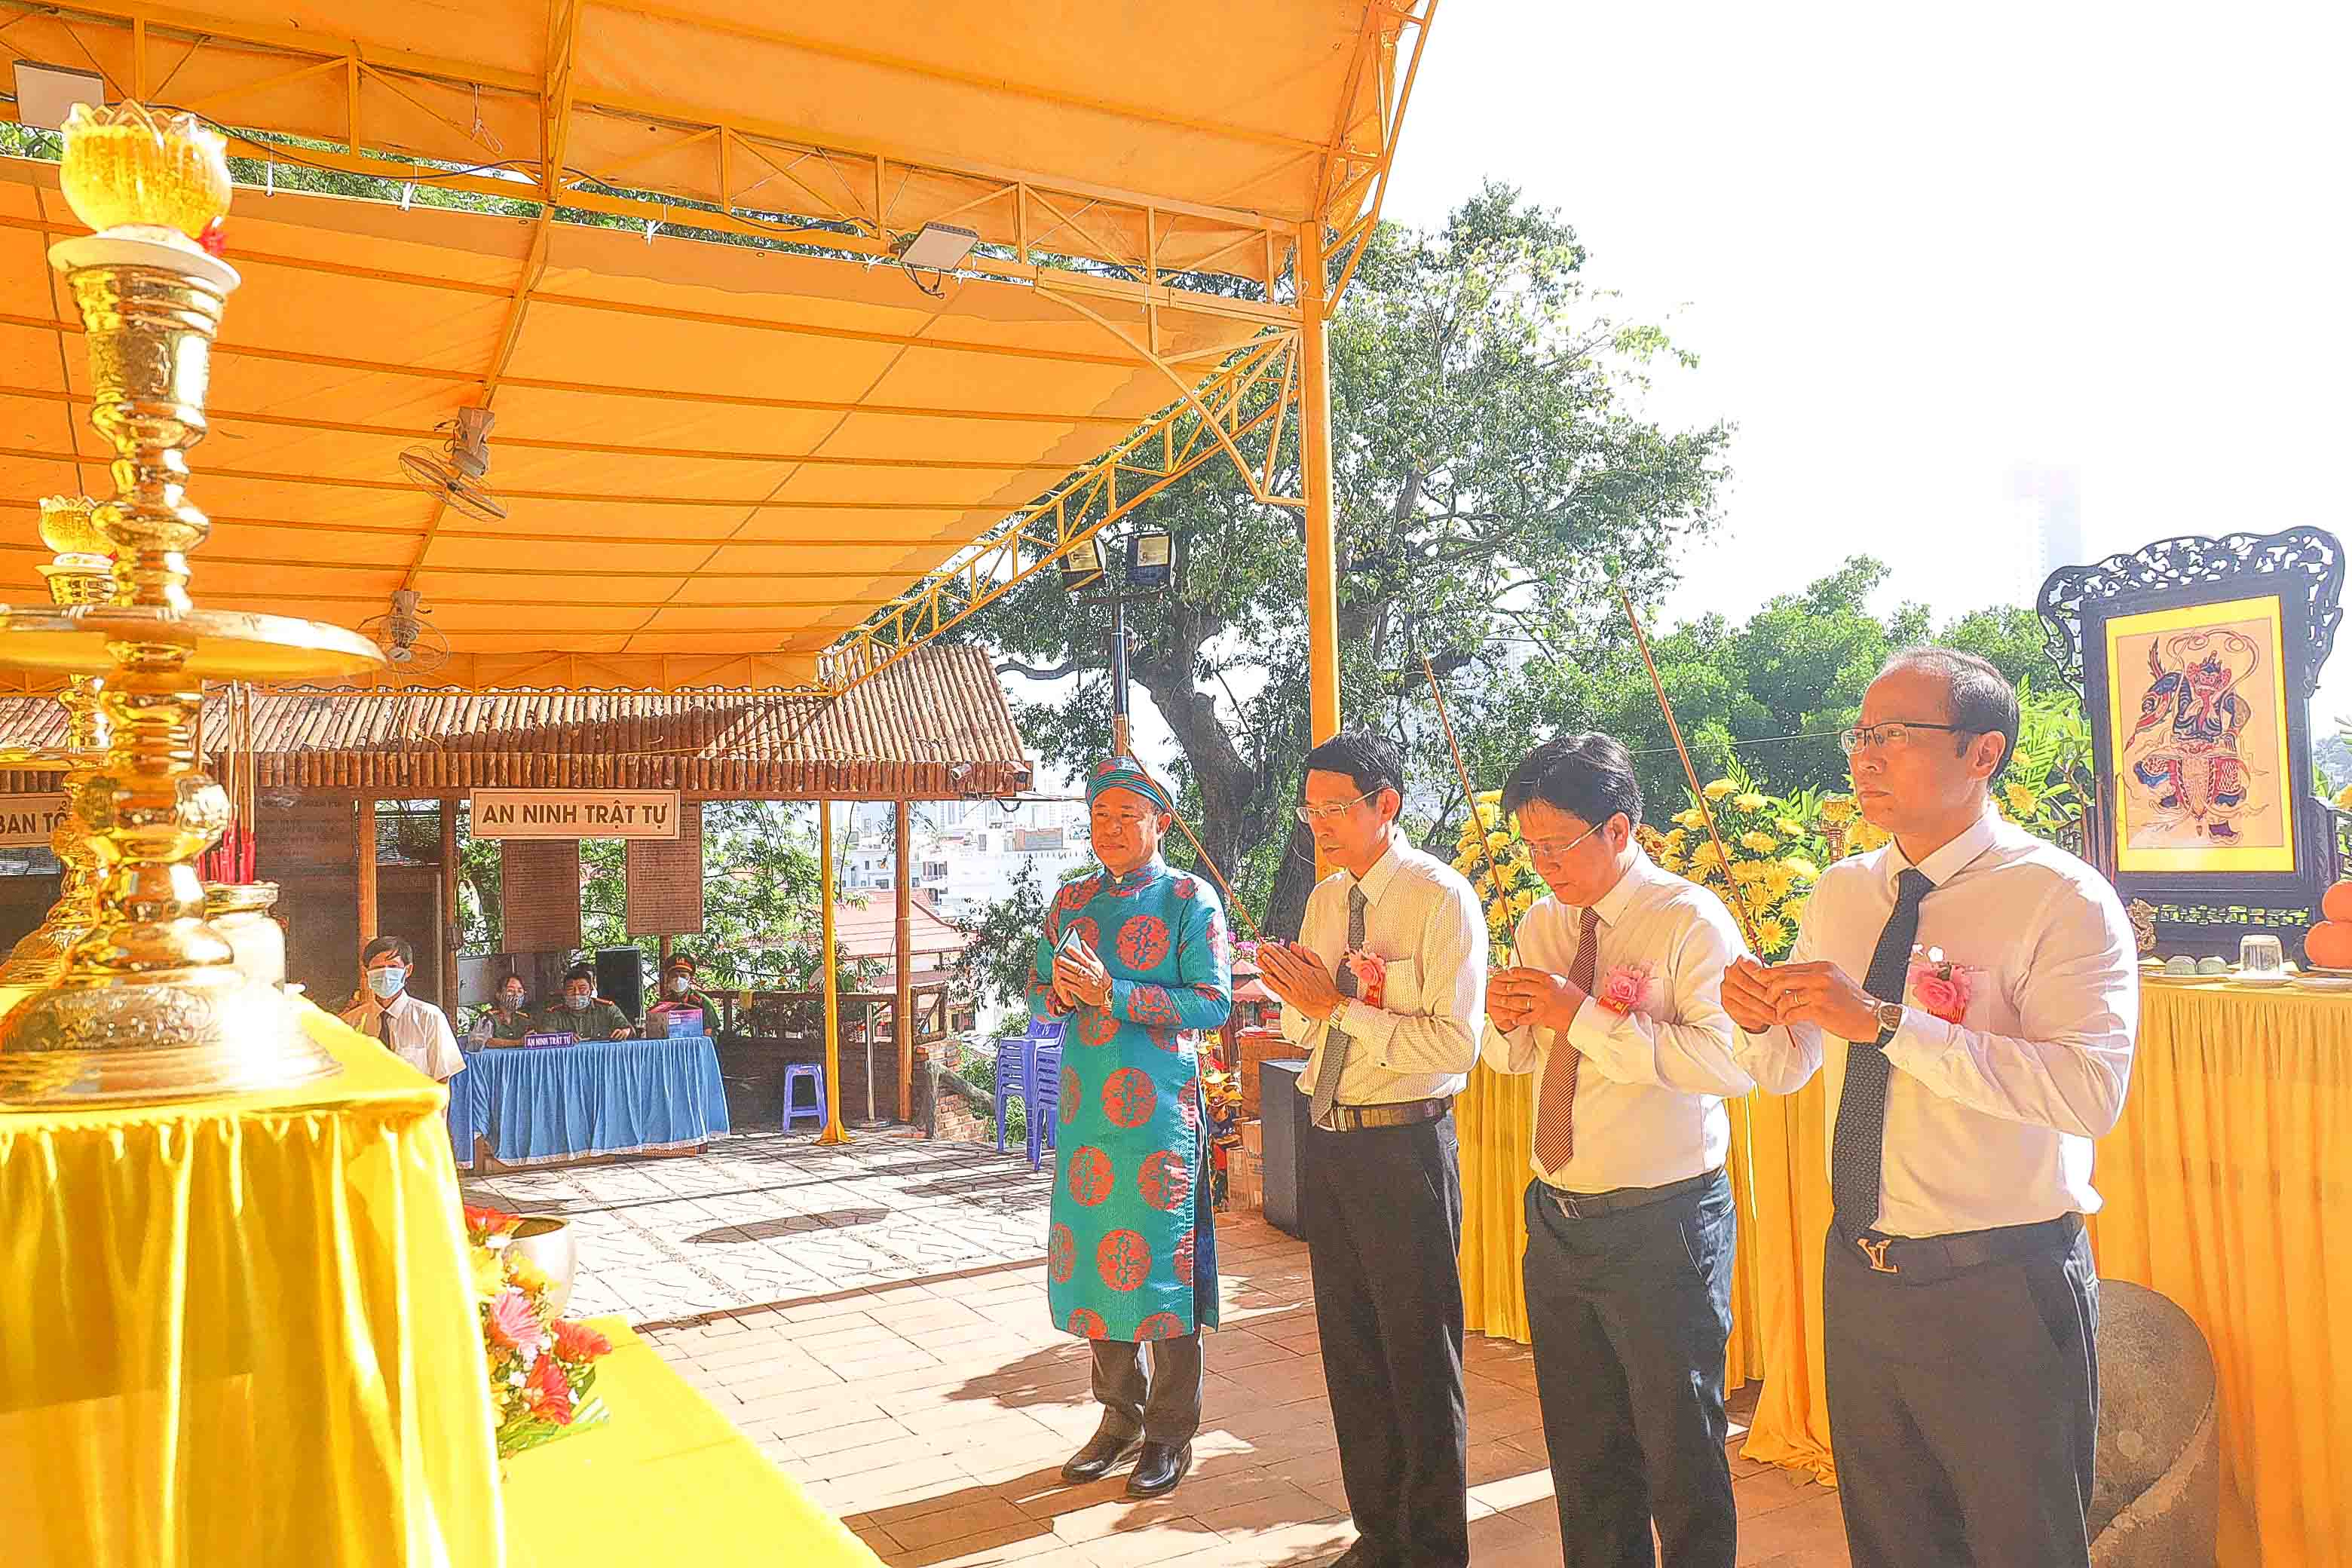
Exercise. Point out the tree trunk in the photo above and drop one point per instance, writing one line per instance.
(1294, 879)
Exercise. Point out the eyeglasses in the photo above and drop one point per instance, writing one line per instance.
(1552, 849)
(1311, 814)
(1894, 733)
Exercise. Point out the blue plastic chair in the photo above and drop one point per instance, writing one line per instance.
(1044, 1100)
(814, 1078)
(1046, 1030)
(1015, 1065)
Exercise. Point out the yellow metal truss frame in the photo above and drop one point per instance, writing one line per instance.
(1056, 222)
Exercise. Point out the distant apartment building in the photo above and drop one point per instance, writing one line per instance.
(2047, 502)
(968, 853)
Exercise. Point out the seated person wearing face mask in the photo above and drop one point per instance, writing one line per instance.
(416, 1032)
(583, 1013)
(509, 1018)
(681, 995)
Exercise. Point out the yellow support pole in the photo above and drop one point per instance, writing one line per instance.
(833, 1131)
(1314, 476)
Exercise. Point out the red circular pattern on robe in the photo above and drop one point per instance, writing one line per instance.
(1152, 1005)
(1186, 887)
(1091, 1178)
(1184, 1265)
(1128, 1098)
(1089, 933)
(1161, 1326)
(1069, 1094)
(1087, 1324)
(1062, 1254)
(1074, 895)
(1166, 1038)
(1097, 1026)
(1165, 1179)
(1123, 1259)
(1143, 943)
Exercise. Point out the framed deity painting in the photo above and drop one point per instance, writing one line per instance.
(2197, 659)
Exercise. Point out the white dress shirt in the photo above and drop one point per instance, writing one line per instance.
(1990, 1120)
(1421, 919)
(1650, 1092)
(420, 1034)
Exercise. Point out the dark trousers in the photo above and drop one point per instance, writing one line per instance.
(1629, 1313)
(1965, 1407)
(1383, 1215)
(1161, 1401)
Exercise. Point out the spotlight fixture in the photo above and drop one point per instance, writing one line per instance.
(1150, 558)
(46, 94)
(939, 248)
(1082, 564)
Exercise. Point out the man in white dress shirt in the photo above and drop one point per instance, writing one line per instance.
(1386, 987)
(1977, 993)
(1614, 1006)
(416, 1032)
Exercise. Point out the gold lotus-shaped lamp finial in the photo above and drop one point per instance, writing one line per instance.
(69, 527)
(126, 167)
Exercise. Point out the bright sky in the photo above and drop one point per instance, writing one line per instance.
(1917, 248)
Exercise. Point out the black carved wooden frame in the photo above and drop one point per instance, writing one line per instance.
(2303, 568)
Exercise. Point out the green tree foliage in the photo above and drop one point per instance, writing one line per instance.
(1495, 475)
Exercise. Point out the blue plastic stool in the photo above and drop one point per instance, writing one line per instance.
(814, 1078)
(1015, 1065)
(1044, 1099)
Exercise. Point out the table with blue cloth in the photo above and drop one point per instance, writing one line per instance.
(544, 1105)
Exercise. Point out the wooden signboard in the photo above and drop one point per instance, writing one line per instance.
(28, 820)
(664, 881)
(575, 813)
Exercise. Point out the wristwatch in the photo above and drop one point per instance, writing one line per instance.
(1890, 1018)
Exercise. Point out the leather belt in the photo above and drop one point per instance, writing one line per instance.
(1592, 1205)
(1404, 1113)
(1940, 1256)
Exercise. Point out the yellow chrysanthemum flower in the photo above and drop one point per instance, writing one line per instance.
(1751, 801)
(2344, 798)
(1497, 843)
(2021, 799)
(1676, 837)
(1779, 883)
(1761, 842)
(490, 1274)
(1691, 819)
(1793, 911)
(1869, 835)
(1522, 902)
(1720, 788)
(1747, 871)
(1804, 870)
(1490, 797)
(1669, 861)
(1771, 934)
(1790, 827)
(1838, 808)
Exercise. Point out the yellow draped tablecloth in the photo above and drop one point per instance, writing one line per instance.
(667, 1480)
(242, 1331)
(2227, 1184)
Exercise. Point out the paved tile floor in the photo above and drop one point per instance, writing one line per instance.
(911, 1385)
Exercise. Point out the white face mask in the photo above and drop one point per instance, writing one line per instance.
(577, 1000)
(511, 999)
(678, 984)
(386, 981)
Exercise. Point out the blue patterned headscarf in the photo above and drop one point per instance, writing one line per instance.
(1127, 773)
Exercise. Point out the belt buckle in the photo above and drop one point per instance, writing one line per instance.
(1875, 1250)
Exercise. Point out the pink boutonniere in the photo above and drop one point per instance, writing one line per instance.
(1942, 987)
(1623, 988)
(1371, 974)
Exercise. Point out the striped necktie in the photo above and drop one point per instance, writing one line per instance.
(1556, 1108)
(1336, 1040)
(1858, 1147)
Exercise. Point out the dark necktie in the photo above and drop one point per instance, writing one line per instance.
(1556, 1106)
(1857, 1151)
(383, 1027)
(1336, 1040)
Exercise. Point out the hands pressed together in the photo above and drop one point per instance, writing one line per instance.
(1517, 996)
(1298, 977)
(1758, 998)
(1080, 978)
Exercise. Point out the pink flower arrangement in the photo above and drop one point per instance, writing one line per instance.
(1625, 987)
(1943, 988)
(541, 1368)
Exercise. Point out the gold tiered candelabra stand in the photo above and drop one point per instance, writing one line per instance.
(146, 1002)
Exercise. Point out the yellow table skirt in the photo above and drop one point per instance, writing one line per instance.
(2228, 1188)
(666, 1479)
(242, 1331)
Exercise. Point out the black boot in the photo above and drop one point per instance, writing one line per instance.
(1103, 1450)
(1158, 1467)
